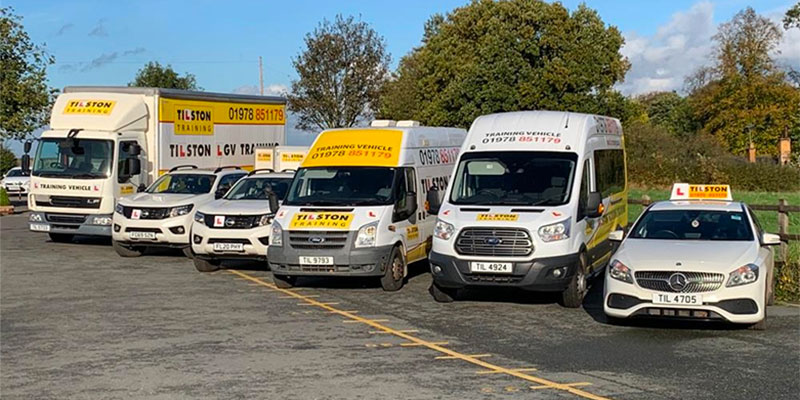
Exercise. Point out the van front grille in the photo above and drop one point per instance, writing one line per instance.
(318, 240)
(498, 242)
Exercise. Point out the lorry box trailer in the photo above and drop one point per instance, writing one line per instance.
(107, 142)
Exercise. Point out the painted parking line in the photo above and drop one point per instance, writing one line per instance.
(542, 382)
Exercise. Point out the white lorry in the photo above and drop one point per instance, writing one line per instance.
(281, 158)
(108, 142)
(531, 204)
(357, 205)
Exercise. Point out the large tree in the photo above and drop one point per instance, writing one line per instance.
(341, 73)
(792, 17)
(154, 74)
(744, 95)
(25, 98)
(668, 110)
(508, 55)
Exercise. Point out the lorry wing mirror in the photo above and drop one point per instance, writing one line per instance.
(134, 150)
(433, 201)
(273, 201)
(27, 147)
(133, 166)
(25, 164)
(594, 205)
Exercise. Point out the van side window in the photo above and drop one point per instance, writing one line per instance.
(609, 168)
(411, 180)
(584, 195)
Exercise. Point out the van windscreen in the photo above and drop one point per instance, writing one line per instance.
(342, 186)
(514, 178)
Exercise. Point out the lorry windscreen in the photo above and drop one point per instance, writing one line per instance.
(693, 225)
(514, 178)
(256, 188)
(342, 186)
(183, 183)
(73, 158)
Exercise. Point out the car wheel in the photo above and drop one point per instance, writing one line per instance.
(771, 286)
(442, 295)
(187, 251)
(761, 325)
(206, 265)
(125, 251)
(392, 279)
(61, 237)
(284, 281)
(572, 296)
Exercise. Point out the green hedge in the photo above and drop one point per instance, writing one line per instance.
(659, 158)
(4, 201)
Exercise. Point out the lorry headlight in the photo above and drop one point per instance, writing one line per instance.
(443, 230)
(743, 275)
(34, 217)
(119, 209)
(180, 210)
(366, 235)
(199, 217)
(620, 271)
(101, 220)
(276, 234)
(554, 232)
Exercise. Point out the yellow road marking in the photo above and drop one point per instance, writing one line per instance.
(420, 344)
(291, 297)
(459, 357)
(567, 384)
(309, 304)
(348, 312)
(482, 372)
(472, 360)
(350, 321)
(386, 332)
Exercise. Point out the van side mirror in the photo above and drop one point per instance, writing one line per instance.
(770, 239)
(273, 201)
(433, 200)
(594, 205)
(616, 236)
(141, 188)
(408, 209)
(27, 146)
(25, 164)
(220, 192)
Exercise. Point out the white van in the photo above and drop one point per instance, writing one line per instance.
(530, 205)
(356, 206)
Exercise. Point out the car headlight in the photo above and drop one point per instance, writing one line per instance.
(199, 217)
(101, 220)
(34, 217)
(180, 210)
(119, 209)
(276, 234)
(554, 232)
(620, 271)
(265, 220)
(743, 275)
(443, 230)
(366, 235)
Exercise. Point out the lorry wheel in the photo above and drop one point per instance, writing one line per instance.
(125, 251)
(442, 295)
(392, 279)
(61, 237)
(206, 265)
(187, 251)
(572, 296)
(284, 281)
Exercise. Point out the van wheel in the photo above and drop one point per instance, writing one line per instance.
(392, 279)
(442, 295)
(284, 281)
(125, 251)
(572, 296)
(61, 237)
(206, 265)
(187, 251)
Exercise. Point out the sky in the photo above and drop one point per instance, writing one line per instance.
(105, 43)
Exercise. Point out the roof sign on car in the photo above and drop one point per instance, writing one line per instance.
(686, 191)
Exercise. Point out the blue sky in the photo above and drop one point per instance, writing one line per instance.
(104, 43)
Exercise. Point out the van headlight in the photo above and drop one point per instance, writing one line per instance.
(366, 235)
(264, 220)
(443, 230)
(620, 271)
(180, 210)
(276, 235)
(199, 217)
(119, 209)
(743, 275)
(554, 232)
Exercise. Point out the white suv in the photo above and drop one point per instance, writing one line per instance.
(238, 225)
(161, 216)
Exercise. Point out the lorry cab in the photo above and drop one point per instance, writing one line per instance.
(530, 204)
(357, 205)
(161, 215)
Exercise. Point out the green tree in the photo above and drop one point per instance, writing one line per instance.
(154, 74)
(745, 96)
(25, 98)
(668, 110)
(508, 55)
(792, 18)
(341, 74)
(8, 159)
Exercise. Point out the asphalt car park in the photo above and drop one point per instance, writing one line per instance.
(77, 321)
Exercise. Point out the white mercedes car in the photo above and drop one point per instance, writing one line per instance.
(693, 259)
(16, 181)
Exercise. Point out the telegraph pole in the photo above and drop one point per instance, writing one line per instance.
(261, 75)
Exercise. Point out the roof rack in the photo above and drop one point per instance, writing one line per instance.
(226, 167)
(177, 167)
(268, 170)
(288, 170)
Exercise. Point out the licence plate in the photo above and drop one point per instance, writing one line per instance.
(142, 235)
(228, 247)
(316, 260)
(490, 267)
(40, 227)
(678, 299)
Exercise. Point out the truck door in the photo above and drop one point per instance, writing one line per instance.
(127, 184)
(405, 214)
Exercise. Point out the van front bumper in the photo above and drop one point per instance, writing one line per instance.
(534, 275)
(70, 224)
(169, 232)
(367, 261)
(255, 242)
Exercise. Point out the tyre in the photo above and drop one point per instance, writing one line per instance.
(187, 251)
(442, 295)
(771, 286)
(284, 281)
(206, 265)
(61, 237)
(392, 279)
(125, 251)
(572, 296)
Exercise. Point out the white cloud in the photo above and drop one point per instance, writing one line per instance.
(275, 89)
